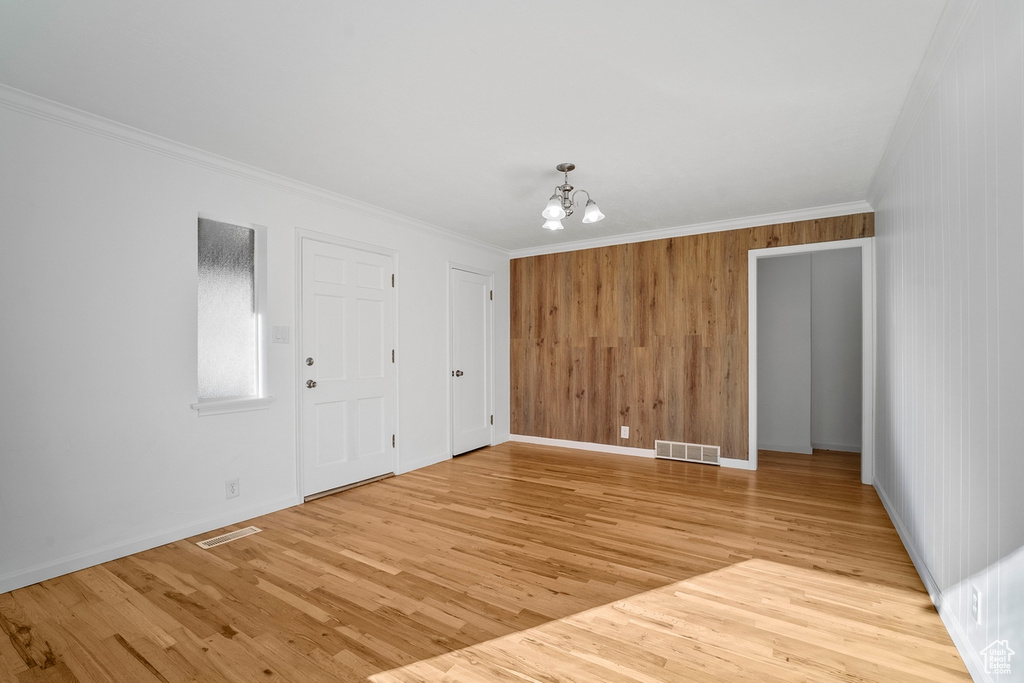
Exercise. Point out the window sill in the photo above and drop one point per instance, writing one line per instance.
(232, 405)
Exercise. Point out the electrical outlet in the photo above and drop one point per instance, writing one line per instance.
(624, 432)
(231, 488)
(975, 605)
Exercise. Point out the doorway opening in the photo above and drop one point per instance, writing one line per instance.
(756, 256)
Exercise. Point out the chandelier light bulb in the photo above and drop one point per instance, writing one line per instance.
(553, 224)
(592, 214)
(554, 210)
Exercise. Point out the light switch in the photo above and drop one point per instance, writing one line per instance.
(281, 334)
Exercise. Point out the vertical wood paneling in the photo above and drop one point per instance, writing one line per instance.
(652, 335)
(950, 375)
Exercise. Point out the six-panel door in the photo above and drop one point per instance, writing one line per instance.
(348, 386)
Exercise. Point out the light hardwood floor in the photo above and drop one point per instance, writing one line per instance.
(514, 563)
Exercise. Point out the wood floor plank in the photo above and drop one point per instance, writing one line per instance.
(514, 563)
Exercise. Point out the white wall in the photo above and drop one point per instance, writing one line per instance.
(949, 204)
(784, 354)
(835, 350)
(100, 453)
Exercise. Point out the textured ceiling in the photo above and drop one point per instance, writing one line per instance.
(455, 113)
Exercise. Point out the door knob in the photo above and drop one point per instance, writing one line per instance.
(309, 361)
(310, 384)
(459, 373)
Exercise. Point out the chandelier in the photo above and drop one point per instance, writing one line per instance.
(562, 203)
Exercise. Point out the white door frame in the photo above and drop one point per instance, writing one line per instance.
(451, 347)
(301, 234)
(867, 281)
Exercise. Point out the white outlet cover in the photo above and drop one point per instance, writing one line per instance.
(624, 432)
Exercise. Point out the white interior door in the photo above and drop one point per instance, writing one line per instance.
(348, 376)
(471, 360)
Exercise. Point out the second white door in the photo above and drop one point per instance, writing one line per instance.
(471, 360)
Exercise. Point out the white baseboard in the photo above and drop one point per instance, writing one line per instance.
(842, 447)
(929, 582)
(975, 666)
(971, 658)
(777, 448)
(737, 464)
(584, 445)
(734, 463)
(72, 563)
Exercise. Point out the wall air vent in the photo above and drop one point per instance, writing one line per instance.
(225, 538)
(687, 452)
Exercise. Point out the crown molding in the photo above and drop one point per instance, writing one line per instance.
(949, 31)
(55, 112)
(829, 211)
(62, 114)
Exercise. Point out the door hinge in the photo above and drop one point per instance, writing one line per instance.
(392, 355)
(392, 440)
(492, 419)
(492, 295)
(392, 279)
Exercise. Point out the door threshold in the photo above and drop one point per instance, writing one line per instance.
(346, 487)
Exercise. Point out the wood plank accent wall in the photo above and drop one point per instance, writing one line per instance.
(652, 335)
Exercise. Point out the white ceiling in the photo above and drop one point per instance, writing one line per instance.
(455, 112)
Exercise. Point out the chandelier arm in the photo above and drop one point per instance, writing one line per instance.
(577, 192)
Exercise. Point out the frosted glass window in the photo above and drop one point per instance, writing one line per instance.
(228, 312)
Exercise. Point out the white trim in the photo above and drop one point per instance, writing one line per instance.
(328, 238)
(489, 274)
(732, 463)
(584, 445)
(781, 448)
(866, 245)
(232, 405)
(963, 644)
(751, 360)
(55, 112)
(262, 315)
(869, 304)
(300, 480)
(811, 213)
(915, 556)
(92, 557)
(841, 447)
(737, 464)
